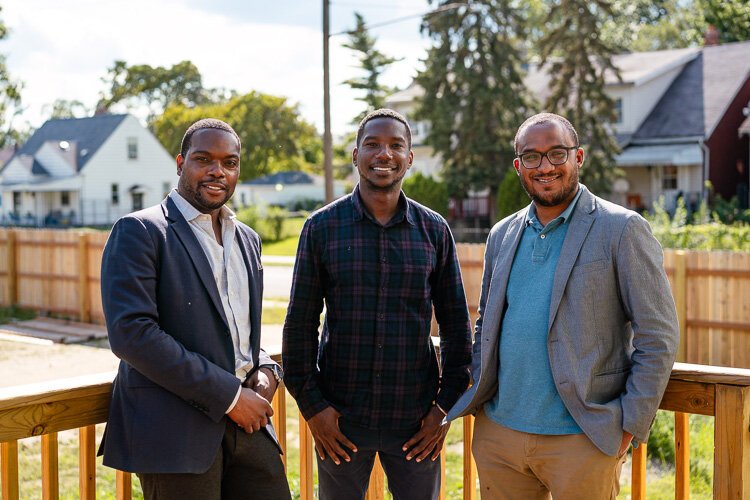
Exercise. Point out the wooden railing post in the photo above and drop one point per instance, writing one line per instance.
(9, 468)
(376, 488)
(123, 485)
(12, 270)
(87, 462)
(470, 468)
(279, 418)
(732, 442)
(682, 455)
(84, 299)
(50, 474)
(305, 461)
(680, 299)
(638, 481)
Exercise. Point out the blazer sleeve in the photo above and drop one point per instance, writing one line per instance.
(130, 279)
(648, 303)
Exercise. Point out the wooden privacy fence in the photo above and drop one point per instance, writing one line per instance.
(57, 271)
(46, 409)
(711, 292)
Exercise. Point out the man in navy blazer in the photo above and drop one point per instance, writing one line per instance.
(182, 286)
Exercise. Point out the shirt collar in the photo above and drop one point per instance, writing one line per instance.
(531, 214)
(191, 213)
(405, 208)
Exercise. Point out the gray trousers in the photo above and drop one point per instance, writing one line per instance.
(407, 479)
(247, 466)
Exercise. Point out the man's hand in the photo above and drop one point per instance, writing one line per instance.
(252, 411)
(625, 443)
(263, 382)
(329, 439)
(429, 438)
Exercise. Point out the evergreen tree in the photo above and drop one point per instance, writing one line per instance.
(577, 60)
(474, 98)
(373, 63)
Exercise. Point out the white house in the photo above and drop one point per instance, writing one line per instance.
(85, 171)
(678, 115)
(293, 190)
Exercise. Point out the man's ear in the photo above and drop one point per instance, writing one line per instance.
(354, 156)
(180, 160)
(580, 154)
(517, 166)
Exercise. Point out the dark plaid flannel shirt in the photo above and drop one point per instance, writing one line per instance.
(375, 362)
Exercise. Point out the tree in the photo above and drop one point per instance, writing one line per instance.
(511, 196)
(274, 137)
(577, 60)
(64, 108)
(474, 97)
(428, 192)
(730, 17)
(156, 88)
(373, 63)
(10, 100)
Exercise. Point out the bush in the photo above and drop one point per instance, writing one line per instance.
(511, 197)
(269, 224)
(427, 191)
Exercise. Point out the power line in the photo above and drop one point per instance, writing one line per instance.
(444, 8)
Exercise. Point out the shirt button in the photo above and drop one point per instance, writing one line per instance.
(382, 259)
(381, 316)
(543, 236)
(380, 346)
(377, 375)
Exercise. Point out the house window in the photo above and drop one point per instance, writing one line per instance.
(669, 177)
(65, 198)
(115, 194)
(132, 148)
(137, 201)
(618, 110)
(16, 201)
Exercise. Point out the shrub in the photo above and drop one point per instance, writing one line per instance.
(511, 196)
(427, 191)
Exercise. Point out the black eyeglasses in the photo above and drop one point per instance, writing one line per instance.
(556, 156)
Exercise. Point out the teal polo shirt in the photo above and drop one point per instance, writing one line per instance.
(527, 399)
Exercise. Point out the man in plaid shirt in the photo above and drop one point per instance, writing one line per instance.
(380, 262)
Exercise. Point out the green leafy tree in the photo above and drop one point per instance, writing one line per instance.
(730, 17)
(511, 196)
(474, 97)
(156, 87)
(577, 60)
(10, 100)
(64, 108)
(274, 136)
(427, 191)
(373, 63)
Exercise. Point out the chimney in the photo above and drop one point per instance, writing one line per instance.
(711, 37)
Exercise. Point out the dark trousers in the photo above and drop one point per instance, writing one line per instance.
(247, 466)
(407, 479)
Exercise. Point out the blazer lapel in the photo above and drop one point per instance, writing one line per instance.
(195, 251)
(580, 224)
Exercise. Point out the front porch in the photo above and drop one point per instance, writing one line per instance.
(81, 403)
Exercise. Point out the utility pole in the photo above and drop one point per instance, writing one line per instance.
(327, 140)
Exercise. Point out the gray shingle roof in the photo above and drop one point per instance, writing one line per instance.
(700, 95)
(88, 133)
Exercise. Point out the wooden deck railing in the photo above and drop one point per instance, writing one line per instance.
(81, 403)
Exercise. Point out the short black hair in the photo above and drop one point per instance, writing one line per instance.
(384, 113)
(542, 118)
(204, 124)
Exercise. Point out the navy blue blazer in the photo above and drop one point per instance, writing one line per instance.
(167, 325)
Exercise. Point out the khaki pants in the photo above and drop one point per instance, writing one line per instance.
(515, 465)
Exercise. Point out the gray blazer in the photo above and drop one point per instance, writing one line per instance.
(613, 330)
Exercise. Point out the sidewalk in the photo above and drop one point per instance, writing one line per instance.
(277, 260)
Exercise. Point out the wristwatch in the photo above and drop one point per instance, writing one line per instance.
(276, 370)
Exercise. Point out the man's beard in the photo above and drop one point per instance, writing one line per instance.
(564, 194)
(196, 198)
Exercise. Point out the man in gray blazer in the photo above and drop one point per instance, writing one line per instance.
(182, 287)
(576, 336)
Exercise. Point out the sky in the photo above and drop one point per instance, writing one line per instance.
(62, 49)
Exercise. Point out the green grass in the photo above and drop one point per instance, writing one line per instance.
(273, 315)
(15, 313)
(285, 247)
